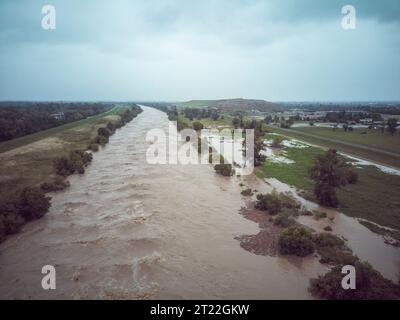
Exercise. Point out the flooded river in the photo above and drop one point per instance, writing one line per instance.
(131, 230)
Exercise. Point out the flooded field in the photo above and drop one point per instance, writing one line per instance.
(131, 230)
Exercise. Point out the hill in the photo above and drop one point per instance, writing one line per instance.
(230, 105)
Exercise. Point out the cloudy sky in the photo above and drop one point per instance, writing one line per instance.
(278, 50)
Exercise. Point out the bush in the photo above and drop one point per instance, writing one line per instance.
(224, 169)
(333, 250)
(370, 285)
(101, 140)
(76, 162)
(270, 202)
(10, 219)
(111, 127)
(94, 147)
(284, 219)
(63, 166)
(247, 192)
(326, 195)
(289, 202)
(104, 132)
(33, 204)
(297, 241)
(327, 240)
(58, 184)
(197, 126)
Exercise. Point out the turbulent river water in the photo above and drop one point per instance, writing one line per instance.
(127, 229)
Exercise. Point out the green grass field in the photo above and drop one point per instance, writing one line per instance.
(376, 196)
(384, 155)
(365, 137)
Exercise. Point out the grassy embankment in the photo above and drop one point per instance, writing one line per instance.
(375, 197)
(22, 141)
(371, 145)
(366, 137)
(28, 161)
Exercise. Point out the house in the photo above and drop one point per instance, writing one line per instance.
(58, 116)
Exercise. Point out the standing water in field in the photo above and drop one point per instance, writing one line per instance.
(127, 229)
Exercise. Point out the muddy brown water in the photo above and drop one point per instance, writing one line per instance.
(131, 230)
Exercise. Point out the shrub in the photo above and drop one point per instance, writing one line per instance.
(333, 250)
(104, 132)
(10, 219)
(224, 169)
(370, 285)
(197, 126)
(297, 241)
(101, 140)
(76, 162)
(94, 147)
(33, 204)
(63, 166)
(327, 240)
(58, 184)
(326, 195)
(288, 201)
(247, 192)
(284, 219)
(270, 202)
(111, 127)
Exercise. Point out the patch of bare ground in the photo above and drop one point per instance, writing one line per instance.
(264, 243)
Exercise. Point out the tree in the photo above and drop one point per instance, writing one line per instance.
(236, 122)
(270, 202)
(197, 126)
(104, 132)
(297, 241)
(330, 171)
(224, 169)
(392, 126)
(33, 203)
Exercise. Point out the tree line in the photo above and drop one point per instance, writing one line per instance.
(20, 119)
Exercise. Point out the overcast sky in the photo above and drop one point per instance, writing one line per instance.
(277, 50)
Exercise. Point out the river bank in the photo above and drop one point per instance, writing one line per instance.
(128, 229)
